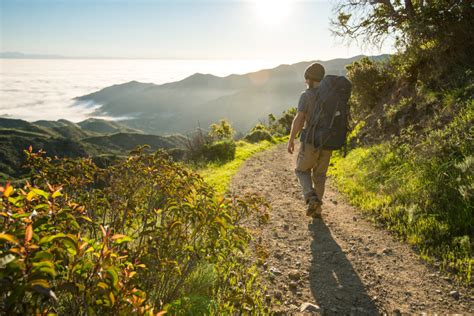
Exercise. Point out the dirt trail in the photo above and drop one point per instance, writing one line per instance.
(342, 263)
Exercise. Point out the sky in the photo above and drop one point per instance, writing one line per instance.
(289, 30)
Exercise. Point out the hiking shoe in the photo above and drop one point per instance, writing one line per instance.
(314, 207)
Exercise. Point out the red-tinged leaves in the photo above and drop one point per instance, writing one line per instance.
(83, 246)
(33, 247)
(18, 251)
(28, 233)
(118, 236)
(50, 187)
(104, 232)
(30, 149)
(171, 215)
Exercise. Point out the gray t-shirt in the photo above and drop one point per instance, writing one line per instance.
(307, 102)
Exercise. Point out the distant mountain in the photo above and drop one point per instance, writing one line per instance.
(202, 98)
(89, 138)
(18, 55)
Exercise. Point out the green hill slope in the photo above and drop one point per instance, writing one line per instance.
(412, 166)
(62, 138)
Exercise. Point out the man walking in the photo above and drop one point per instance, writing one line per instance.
(312, 163)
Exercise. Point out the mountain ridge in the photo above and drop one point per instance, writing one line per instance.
(179, 107)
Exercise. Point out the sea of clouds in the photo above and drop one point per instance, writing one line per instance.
(44, 89)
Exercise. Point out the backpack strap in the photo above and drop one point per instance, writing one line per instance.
(334, 115)
(312, 126)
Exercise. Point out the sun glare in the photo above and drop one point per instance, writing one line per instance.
(272, 12)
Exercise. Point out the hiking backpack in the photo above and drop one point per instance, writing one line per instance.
(329, 123)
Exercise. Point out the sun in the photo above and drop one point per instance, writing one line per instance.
(272, 12)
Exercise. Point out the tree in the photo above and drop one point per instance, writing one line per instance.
(370, 82)
(411, 21)
(435, 36)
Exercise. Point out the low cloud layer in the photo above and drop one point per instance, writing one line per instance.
(44, 89)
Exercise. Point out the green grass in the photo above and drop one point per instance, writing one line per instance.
(196, 296)
(219, 175)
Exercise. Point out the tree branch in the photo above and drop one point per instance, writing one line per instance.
(409, 9)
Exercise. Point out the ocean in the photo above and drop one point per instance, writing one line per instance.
(43, 89)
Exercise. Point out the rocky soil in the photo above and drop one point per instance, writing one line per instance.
(342, 264)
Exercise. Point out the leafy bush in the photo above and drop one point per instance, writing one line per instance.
(55, 259)
(128, 238)
(219, 151)
(258, 136)
(282, 125)
(216, 145)
(371, 81)
(258, 133)
(221, 131)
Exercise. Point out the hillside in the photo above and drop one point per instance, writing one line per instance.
(103, 126)
(203, 98)
(62, 138)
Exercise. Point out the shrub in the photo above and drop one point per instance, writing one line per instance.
(258, 135)
(216, 145)
(219, 151)
(128, 238)
(55, 258)
(221, 131)
(370, 81)
(282, 125)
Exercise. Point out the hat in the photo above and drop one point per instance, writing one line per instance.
(315, 72)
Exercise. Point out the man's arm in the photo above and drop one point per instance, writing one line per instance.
(296, 127)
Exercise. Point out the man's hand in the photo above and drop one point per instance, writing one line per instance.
(296, 127)
(291, 145)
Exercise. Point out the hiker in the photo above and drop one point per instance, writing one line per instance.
(322, 120)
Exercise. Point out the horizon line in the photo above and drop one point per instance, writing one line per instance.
(21, 55)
